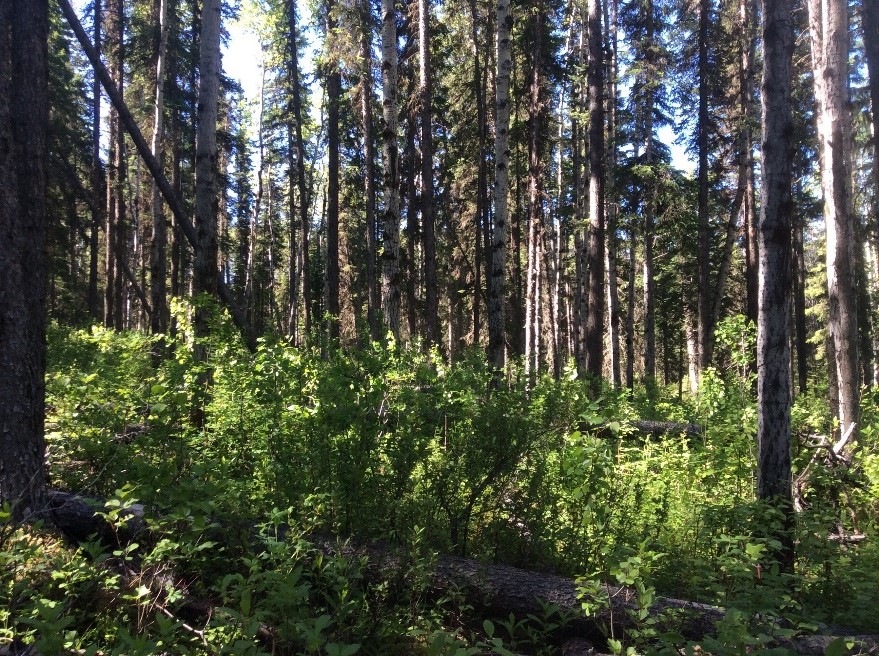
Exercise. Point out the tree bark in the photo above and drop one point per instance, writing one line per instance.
(773, 351)
(613, 297)
(158, 259)
(595, 315)
(94, 301)
(391, 215)
(497, 273)
(870, 16)
(334, 92)
(373, 299)
(299, 145)
(649, 209)
(431, 292)
(24, 121)
(206, 196)
(115, 215)
(829, 30)
(704, 238)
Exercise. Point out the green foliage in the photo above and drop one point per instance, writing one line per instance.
(390, 443)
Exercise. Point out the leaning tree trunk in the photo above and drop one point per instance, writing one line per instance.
(773, 350)
(829, 29)
(497, 272)
(391, 215)
(24, 120)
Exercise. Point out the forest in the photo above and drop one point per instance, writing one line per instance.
(523, 327)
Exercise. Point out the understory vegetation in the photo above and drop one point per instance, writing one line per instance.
(389, 445)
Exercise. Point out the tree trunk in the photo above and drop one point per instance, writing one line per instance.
(482, 247)
(158, 259)
(800, 335)
(613, 297)
(334, 92)
(115, 162)
(373, 299)
(870, 15)
(391, 215)
(94, 301)
(649, 211)
(630, 311)
(829, 29)
(595, 315)
(497, 273)
(773, 351)
(206, 196)
(24, 121)
(704, 239)
(431, 292)
(299, 145)
(535, 196)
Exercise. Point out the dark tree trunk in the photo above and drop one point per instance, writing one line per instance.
(613, 299)
(595, 315)
(870, 15)
(497, 271)
(115, 163)
(704, 246)
(24, 119)
(536, 138)
(373, 298)
(649, 210)
(94, 301)
(431, 291)
(481, 220)
(391, 176)
(334, 92)
(773, 352)
(158, 257)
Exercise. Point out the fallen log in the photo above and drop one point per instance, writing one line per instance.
(492, 589)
